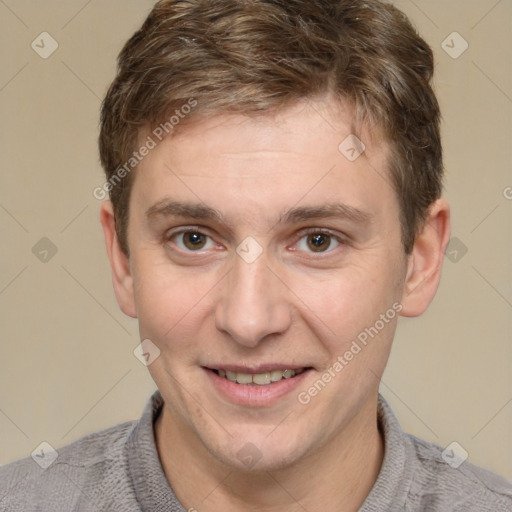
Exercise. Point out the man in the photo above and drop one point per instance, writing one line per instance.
(275, 172)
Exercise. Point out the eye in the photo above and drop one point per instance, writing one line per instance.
(191, 240)
(318, 241)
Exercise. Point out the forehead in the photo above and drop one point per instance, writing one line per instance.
(304, 154)
(308, 127)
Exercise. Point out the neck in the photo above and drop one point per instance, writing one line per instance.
(337, 476)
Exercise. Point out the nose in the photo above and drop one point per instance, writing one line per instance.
(253, 304)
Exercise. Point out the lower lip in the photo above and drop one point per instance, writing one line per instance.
(254, 395)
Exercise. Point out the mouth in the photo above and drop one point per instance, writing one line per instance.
(256, 386)
(264, 378)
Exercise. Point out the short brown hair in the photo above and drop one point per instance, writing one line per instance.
(254, 56)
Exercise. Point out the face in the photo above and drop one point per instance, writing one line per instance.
(258, 250)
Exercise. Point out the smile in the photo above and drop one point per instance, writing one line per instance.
(259, 379)
(259, 386)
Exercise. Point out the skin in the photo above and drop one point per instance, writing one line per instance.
(294, 304)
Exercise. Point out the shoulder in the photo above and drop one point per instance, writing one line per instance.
(444, 480)
(61, 478)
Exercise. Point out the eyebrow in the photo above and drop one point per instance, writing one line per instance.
(167, 208)
(200, 211)
(330, 210)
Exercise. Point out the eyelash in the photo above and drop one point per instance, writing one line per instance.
(309, 231)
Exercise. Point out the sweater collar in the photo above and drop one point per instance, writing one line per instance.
(155, 494)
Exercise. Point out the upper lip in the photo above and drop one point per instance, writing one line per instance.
(253, 369)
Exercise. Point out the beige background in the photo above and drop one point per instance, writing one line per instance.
(67, 366)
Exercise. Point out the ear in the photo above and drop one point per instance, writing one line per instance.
(119, 262)
(426, 260)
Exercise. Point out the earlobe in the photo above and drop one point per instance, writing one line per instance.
(119, 263)
(426, 260)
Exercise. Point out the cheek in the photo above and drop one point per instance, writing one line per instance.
(176, 306)
(346, 305)
(345, 298)
(171, 304)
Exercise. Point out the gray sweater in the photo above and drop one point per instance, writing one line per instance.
(118, 470)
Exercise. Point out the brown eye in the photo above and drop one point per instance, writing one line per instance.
(194, 240)
(317, 241)
(190, 241)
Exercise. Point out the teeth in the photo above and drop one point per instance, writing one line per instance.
(259, 379)
(243, 378)
(276, 375)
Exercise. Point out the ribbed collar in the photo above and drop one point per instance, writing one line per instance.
(155, 495)
(390, 490)
(149, 481)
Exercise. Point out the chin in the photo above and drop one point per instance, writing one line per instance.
(259, 453)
